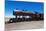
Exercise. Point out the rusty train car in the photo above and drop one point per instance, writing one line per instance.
(26, 16)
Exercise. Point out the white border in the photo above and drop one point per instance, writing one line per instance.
(45, 15)
(1, 15)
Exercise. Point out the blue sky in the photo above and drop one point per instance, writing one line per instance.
(30, 6)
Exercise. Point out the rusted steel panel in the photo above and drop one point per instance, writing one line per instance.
(22, 14)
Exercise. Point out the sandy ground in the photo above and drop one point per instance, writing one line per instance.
(24, 25)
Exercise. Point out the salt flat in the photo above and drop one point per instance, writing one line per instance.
(24, 25)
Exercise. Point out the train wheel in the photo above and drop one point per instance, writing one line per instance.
(10, 21)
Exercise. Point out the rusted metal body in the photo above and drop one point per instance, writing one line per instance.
(22, 14)
(32, 16)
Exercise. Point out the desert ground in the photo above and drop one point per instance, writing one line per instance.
(24, 25)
